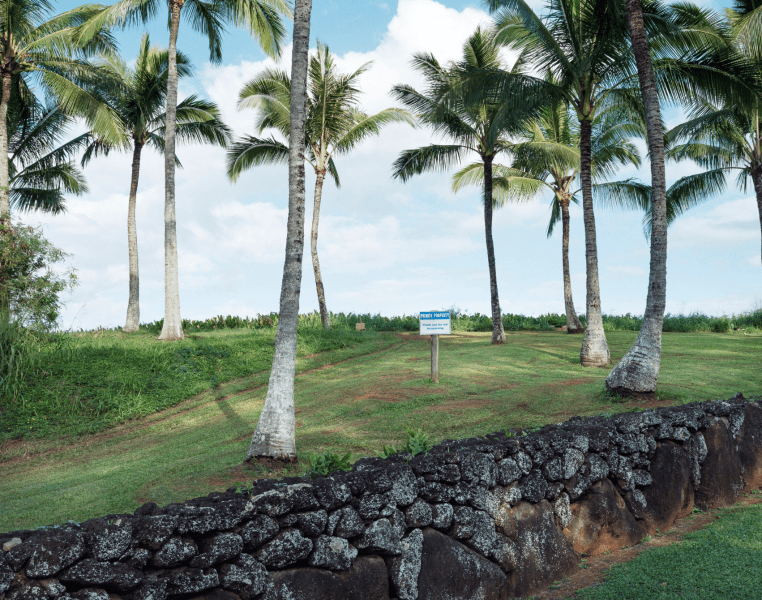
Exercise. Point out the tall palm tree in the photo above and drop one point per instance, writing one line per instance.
(549, 161)
(262, 18)
(41, 168)
(483, 129)
(139, 103)
(39, 52)
(335, 125)
(274, 436)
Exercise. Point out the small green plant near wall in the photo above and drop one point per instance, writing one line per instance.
(417, 442)
(327, 462)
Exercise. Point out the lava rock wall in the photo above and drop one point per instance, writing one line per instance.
(492, 517)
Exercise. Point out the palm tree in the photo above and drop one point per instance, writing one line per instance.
(335, 125)
(39, 52)
(549, 160)
(139, 103)
(262, 19)
(484, 129)
(274, 435)
(41, 169)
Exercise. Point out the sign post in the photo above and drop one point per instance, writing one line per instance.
(435, 323)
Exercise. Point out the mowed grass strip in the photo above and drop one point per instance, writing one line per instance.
(356, 406)
(720, 561)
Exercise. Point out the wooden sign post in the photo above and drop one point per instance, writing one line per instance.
(435, 323)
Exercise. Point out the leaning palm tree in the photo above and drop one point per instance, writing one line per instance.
(335, 125)
(139, 103)
(262, 18)
(549, 161)
(42, 170)
(38, 52)
(274, 436)
(484, 129)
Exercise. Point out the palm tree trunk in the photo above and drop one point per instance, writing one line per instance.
(5, 194)
(173, 325)
(756, 177)
(133, 305)
(325, 316)
(274, 436)
(572, 321)
(595, 350)
(637, 372)
(498, 333)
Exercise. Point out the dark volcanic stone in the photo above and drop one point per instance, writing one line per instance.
(107, 541)
(190, 581)
(450, 570)
(350, 524)
(534, 487)
(91, 594)
(721, 480)
(475, 528)
(221, 547)
(221, 516)
(330, 493)
(749, 444)
(152, 588)
(553, 469)
(285, 549)
(153, 531)
(404, 485)
(136, 557)
(601, 522)
(117, 576)
(433, 491)
(441, 516)
(508, 471)
(366, 580)
(175, 552)
(6, 575)
(418, 514)
(479, 469)
(371, 504)
(381, 537)
(333, 553)
(312, 523)
(257, 531)
(247, 578)
(545, 555)
(29, 590)
(52, 551)
(405, 568)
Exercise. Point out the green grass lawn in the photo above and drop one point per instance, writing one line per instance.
(721, 561)
(350, 399)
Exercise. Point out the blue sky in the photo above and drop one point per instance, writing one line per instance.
(384, 246)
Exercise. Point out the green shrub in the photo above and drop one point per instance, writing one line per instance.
(327, 462)
(417, 442)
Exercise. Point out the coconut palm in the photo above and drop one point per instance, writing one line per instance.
(262, 18)
(335, 125)
(139, 102)
(549, 161)
(274, 435)
(38, 52)
(41, 168)
(483, 129)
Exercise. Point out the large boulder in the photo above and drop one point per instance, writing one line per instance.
(750, 446)
(366, 580)
(452, 571)
(116, 576)
(670, 495)
(544, 553)
(601, 522)
(722, 482)
(48, 552)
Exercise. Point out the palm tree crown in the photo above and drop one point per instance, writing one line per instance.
(483, 128)
(335, 125)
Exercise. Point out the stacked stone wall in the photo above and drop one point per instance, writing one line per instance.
(492, 517)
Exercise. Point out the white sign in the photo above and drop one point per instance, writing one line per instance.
(435, 322)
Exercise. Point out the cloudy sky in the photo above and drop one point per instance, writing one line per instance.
(385, 247)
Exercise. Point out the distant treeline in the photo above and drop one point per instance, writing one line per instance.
(696, 322)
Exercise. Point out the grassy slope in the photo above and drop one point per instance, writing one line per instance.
(90, 381)
(356, 405)
(720, 561)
